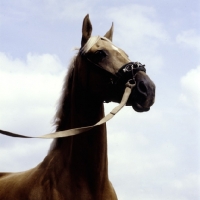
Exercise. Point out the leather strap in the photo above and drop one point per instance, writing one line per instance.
(77, 131)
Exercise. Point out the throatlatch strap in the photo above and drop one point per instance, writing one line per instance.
(77, 131)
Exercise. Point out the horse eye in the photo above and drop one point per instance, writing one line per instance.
(100, 54)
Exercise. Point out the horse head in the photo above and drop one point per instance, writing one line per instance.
(103, 56)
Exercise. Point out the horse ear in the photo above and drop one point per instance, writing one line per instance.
(109, 34)
(86, 30)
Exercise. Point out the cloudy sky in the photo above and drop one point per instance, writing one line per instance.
(153, 155)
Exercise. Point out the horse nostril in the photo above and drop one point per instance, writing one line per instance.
(142, 88)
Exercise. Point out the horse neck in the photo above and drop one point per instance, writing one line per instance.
(84, 155)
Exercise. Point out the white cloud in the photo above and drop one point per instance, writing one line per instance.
(24, 81)
(29, 90)
(34, 63)
(134, 157)
(22, 154)
(190, 95)
(189, 38)
(189, 182)
(144, 169)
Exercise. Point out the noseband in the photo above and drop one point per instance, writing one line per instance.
(128, 72)
(125, 76)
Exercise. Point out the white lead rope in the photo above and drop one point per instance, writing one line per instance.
(76, 131)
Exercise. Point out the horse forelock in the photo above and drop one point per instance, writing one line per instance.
(91, 42)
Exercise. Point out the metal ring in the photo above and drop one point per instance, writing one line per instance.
(131, 83)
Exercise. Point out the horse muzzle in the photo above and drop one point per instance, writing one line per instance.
(143, 94)
(134, 73)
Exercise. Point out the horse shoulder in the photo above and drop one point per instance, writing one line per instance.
(21, 185)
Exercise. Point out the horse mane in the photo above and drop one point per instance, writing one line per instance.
(60, 115)
(67, 82)
(61, 102)
(65, 91)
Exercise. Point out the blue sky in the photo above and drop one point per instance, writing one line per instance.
(153, 155)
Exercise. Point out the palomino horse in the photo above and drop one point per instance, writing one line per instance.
(76, 167)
